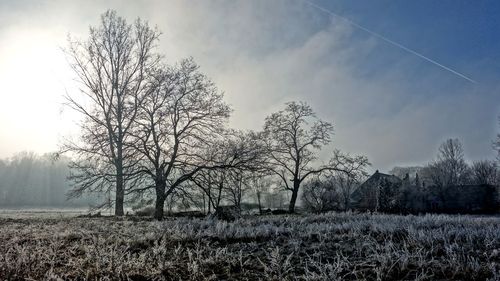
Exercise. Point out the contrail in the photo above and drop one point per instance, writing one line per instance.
(390, 41)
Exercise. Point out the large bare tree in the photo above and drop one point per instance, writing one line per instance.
(111, 66)
(182, 117)
(294, 139)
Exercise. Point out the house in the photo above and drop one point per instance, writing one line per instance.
(376, 193)
(388, 193)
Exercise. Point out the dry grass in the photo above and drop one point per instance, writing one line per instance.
(314, 247)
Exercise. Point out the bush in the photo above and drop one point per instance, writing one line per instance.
(319, 196)
(227, 213)
(147, 211)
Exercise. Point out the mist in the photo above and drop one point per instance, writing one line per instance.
(29, 180)
(249, 140)
(384, 102)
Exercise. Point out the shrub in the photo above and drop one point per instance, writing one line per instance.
(147, 211)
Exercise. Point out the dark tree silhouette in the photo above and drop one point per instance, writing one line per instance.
(450, 167)
(320, 195)
(294, 137)
(211, 183)
(260, 183)
(112, 66)
(484, 172)
(234, 157)
(182, 117)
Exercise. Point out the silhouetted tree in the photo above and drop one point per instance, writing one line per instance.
(294, 136)
(112, 66)
(334, 190)
(260, 184)
(346, 182)
(211, 183)
(180, 130)
(230, 181)
(484, 172)
(242, 176)
(450, 167)
(237, 187)
(320, 195)
(180, 117)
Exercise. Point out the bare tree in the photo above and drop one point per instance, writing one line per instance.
(112, 66)
(450, 167)
(275, 198)
(294, 137)
(320, 195)
(212, 182)
(346, 183)
(230, 181)
(484, 172)
(242, 177)
(237, 187)
(333, 190)
(260, 183)
(181, 116)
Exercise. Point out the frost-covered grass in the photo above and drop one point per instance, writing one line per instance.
(48, 212)
(334, 246)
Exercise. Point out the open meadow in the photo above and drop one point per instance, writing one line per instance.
(332, 246)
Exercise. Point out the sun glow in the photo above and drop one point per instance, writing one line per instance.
(34, 76)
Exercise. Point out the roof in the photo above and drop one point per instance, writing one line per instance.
(372, 182)
(379, 176)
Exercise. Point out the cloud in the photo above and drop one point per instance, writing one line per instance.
(384, 103)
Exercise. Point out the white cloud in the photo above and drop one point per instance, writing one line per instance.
(262, 54)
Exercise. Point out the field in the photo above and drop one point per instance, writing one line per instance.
(333, 246)
(45, 213)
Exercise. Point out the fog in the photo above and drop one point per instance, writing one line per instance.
(384, 102)
(29, 180)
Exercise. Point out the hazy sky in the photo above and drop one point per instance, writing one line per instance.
(384, 102)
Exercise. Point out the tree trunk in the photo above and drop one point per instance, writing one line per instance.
(159, 205)
(160, 200)
(210, 203)
(204, 204)
(120, 188)
(258, 201)
(295, 193)
(120, 193)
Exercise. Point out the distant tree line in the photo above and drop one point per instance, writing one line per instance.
(30, 180)
(446, 184)
(451, 168)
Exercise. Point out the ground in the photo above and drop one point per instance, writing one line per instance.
(333, 246)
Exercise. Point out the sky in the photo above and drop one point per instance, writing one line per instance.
(384, 101)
